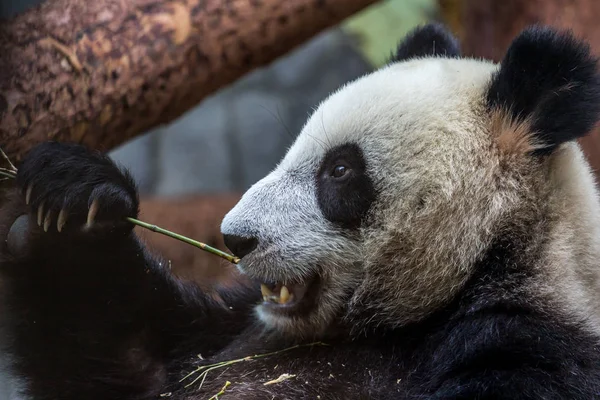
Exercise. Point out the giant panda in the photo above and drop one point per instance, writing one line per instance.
(433, 233)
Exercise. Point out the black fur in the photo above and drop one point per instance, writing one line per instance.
(499, 343)
(92, 314)
(431, 40)
(345, 201)
(551, 78)
(52, 170)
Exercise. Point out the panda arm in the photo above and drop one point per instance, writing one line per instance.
(91, 315)
(508, 355)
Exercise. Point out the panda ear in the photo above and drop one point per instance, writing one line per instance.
(427, 41)
(549, 81)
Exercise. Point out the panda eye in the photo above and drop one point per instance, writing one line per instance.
(344, 189)
(339, 171)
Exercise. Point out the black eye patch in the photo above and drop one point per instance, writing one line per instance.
(344, 190)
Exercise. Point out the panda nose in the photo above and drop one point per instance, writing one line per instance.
(239, 245)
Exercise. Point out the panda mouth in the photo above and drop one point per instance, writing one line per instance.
(289, 296)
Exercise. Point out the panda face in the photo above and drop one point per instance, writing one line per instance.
(402, 180)
(368, 150)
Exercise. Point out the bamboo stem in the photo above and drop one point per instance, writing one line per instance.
(232, 259)
(222, 392)
(7, 173)
(210, 367)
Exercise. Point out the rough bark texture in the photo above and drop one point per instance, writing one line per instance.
(100, 72)
(488, 27)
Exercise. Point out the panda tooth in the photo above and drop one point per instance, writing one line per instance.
(266, 292)
(284, 295)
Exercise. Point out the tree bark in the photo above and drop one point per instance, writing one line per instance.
(101, 72)
(489, 26)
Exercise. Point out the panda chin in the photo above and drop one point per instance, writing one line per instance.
(290, 299)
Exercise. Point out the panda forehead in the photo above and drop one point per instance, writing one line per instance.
(416, 93)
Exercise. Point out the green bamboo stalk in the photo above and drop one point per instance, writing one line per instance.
(222, 392)
(195, 243)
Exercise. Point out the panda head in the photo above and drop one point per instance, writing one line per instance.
(401, 180)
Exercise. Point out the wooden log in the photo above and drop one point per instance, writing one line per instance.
(101, 72)
(488, 27)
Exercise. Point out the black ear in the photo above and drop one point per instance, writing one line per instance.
(549, 78)
(427, 41)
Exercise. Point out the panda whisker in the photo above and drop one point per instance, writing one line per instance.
(280, 120)
(325, 130)
(319, 142)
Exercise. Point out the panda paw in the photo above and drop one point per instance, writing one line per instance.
(69, 188)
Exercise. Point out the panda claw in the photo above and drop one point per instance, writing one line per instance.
(92, 213)
(47, 221)
(62, 220)
(28, 194)
(40, 214)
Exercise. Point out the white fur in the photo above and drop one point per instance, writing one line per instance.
(391, 114)
(431, 148)
(572, 261)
